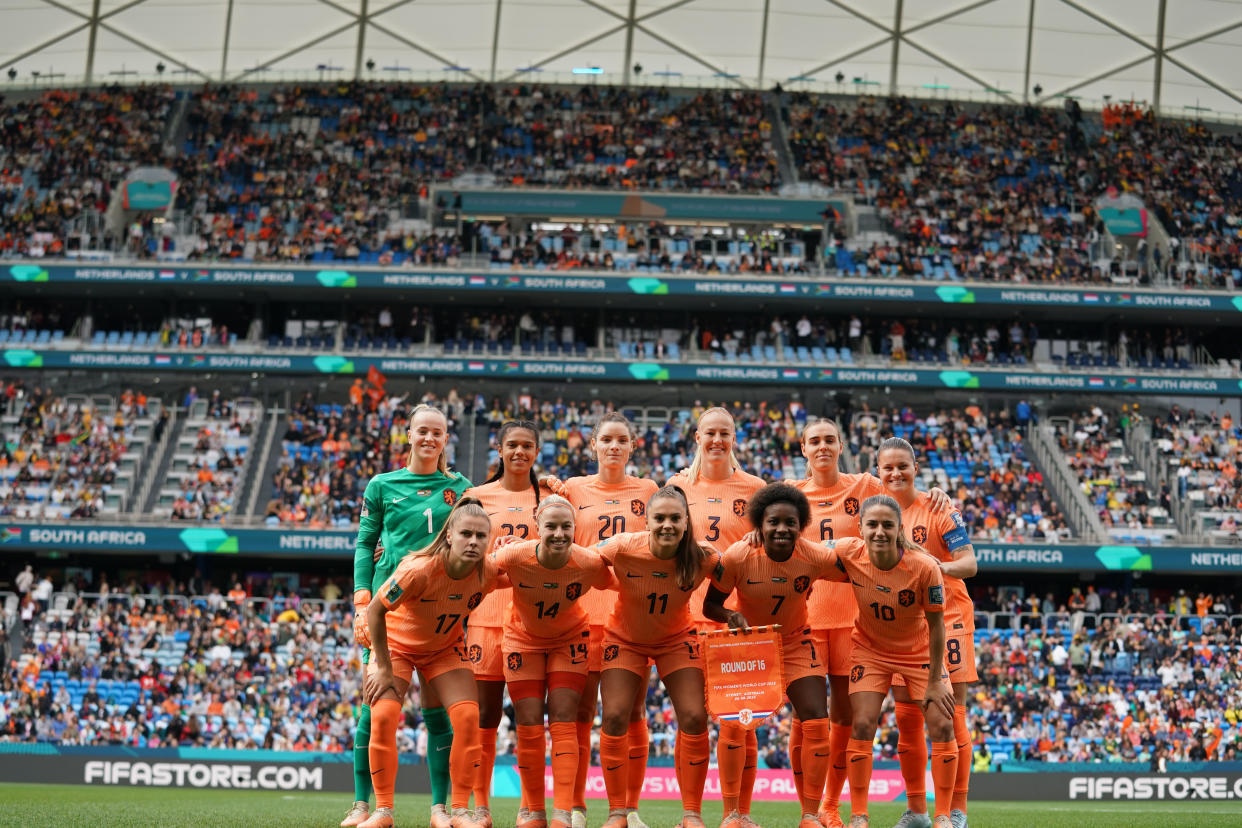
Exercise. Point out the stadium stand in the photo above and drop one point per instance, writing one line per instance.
(209, 460)
(75, 456)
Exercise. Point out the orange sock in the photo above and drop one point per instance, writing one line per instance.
(912, 753)
(965, 758)
(795, 757)
(613, 752)
(487, 760)
(584, 763)
(749, 772)
(815, 759)
(465, 762)
(636, 772)
(838, 742)
(858, 757)
(382, 750)
(530, 764)
(730, 760)
(944, 774)
(564, 764)
(691, 757)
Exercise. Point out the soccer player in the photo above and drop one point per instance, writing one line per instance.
(899, 592)
(510, 497)
(608, 503)
(944, 535)
(718, 491)
(546, 653)
(656, 573)
(835, 499)
(404, 509)
(772, 583)
(437, 587)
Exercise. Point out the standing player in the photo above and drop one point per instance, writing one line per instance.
(772, 583)
(835, 499)
(510, 498)
(608, 503)
(404, 509)
(718, 491)
(656, 572)
(545, 651)
(438, 586)
(899, 592)
(944, 535)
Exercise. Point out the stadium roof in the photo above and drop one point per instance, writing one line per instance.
(1179, 54)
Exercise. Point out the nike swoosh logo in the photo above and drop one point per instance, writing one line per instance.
(949, 759)
(580, 508)
(749, 581)
(443, 747)
(693, 763)
(567, 754)
(954, 670)
(632, 575)
(381, 770)
(821, 756)
(733, 747)
(857, 758)
(612, 767)
(399, 499)
(426, 600)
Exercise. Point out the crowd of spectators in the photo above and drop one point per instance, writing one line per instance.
(62, 456)
(1007, 194)
(65, 152)
(331, 450)
(1206, 450)
(212, 478)
(979, 459)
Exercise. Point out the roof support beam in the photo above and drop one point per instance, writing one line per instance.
(1030, 41)
(763, 41)
(1158, 77)
(629, 42)
(491, 74)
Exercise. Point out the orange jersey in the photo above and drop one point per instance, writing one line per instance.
(942, 534)
(892, 603)
(775, 592)
(718, 513)
(652, 610)
(602, 512)
(430, 607)
(547, 603)
(511, 513)
(834, 515)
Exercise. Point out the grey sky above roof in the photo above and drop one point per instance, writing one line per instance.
(1179, 53)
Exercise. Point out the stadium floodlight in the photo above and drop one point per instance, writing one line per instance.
(12, 73)
(638, 68)
(1038, 90)
(840, 77)
(587, 70)
(160, 67)
(370, 64)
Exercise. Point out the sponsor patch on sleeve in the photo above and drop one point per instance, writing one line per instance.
(392, 591)
(935, 594)
(959, 535)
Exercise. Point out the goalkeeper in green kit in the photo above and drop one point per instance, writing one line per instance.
(402, 511)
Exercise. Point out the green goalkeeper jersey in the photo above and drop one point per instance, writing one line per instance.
(404, 510)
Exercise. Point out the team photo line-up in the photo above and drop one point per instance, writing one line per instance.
(567, 593)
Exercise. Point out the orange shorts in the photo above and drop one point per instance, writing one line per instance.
(870, 673)
(802, 655)
(430, 665)
(959, 659)
(524, 663)
(668, 658)
(834, 646)
(485, 646)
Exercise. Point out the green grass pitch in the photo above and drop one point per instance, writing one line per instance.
(74, 805)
